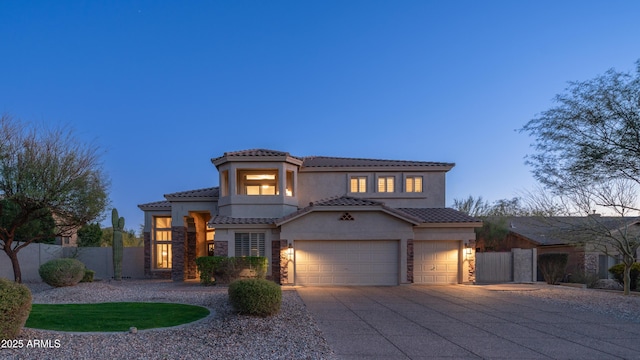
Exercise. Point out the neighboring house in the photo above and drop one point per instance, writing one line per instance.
(319, 220)
(563, 235)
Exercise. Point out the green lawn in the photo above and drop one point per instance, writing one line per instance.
(117, 316)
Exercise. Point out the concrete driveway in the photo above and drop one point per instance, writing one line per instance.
(462, 322)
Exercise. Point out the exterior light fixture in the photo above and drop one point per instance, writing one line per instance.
(290, 252)
(467, 249)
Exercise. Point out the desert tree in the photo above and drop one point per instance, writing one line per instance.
(45, 174)
(587, 150)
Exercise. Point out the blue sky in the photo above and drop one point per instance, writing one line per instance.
(164, 86)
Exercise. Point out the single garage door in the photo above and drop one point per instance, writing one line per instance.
(435, 262)
(334, 262)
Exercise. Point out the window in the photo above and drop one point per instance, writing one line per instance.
(250, 244)
(209, 240)
(413, 184)
(358, 184)
(386, 184)
(224, 183)
(289, 189)
(257, 182)
(162, 242)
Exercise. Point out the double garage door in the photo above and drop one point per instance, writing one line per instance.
(372, 262)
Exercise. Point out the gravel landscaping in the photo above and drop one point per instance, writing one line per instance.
(291, 334)
(607, 302)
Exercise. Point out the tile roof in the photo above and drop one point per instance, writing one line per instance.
(254, 153)
(346, 201)
(157, 205)
(561, 230)
(226, 220)
(438, 215)
(325, 161)
(211, 192)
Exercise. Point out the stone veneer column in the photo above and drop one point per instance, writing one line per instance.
(221, 248)
(410, 261)
(147, 254)
(190, 255)
(178, 234)
(279, 268)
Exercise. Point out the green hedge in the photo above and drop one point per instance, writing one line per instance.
(62, 272)
(258, 297)
(553, 266)
(222, 269)
(15, 306)
(618, 273)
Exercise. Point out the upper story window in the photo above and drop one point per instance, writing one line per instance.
(358, 184)
(224, 183)
(413, 184)
(386, 184)
(289, 186)
(257, 182)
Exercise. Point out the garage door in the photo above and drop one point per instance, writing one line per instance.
(346, 262)
(435, 262)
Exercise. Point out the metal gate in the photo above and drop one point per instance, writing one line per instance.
(494, 267)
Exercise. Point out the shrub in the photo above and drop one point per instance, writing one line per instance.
(618, 273)
(207, 266)
(258, 297)
(222, 269)
(15, 305)
(62, 272)
(88, 275)
(552, 266)
(588, 278)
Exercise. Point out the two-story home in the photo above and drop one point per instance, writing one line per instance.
(319, 220)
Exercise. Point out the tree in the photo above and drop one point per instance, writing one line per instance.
(587, 148)
(90, 235)
(45, 173)
(472, 206)
(592, 134)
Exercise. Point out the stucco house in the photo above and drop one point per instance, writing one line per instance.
(319, 220)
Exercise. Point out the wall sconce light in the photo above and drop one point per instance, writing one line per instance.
(467, 249)
(290, 252)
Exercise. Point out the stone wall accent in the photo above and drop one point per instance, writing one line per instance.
(410, 261)
(178, 235)
(279, 262)
(591, 263)
(190, 255)
(221, 249)
(147, 254)
(472, 260)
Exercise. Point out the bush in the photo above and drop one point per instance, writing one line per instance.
(552, 266)
(618, 273)
(15, 306)
(222, 269)
(88, 275)
(258, 297)
(62, 272)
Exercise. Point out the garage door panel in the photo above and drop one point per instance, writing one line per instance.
(436, 262)
(346, 262)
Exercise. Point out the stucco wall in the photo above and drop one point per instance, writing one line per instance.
(316, 186)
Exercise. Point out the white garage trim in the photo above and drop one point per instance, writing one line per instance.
(436, 262)
(353, 262)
